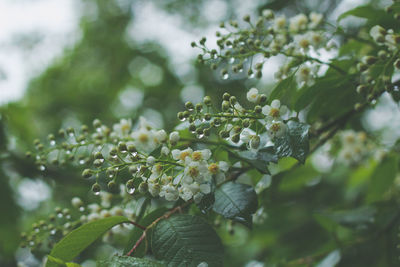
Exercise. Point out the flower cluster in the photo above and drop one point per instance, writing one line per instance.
(253, 127)
(146, 160)
(247, 49)
(355, 147)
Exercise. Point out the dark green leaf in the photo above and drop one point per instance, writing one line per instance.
(294, 143)
(358, 218)
(126, 261)
(186, 240)
(236, 201)
(137, 232)
(75, 242)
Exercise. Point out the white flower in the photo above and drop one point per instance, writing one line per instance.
(199, 155)
(298, 23)
(315, 19)
(181, 155)
(276, 129)
(76, 202)
(105, 214)
(304, 75)
(174, 137)
(161, 136)
(377, 33)
(117, 211)
(275, 111)
(390, 42)
(279, 22)
(223, 166)
(303, 41)
(144, 140)
(252, 95)
(185, 193)
(93, 217)
(151, 160)
(169, 192)
(123, 128)
(205, 188)
(268, 13)
(165, 150)
(154, 189)
(198, 171)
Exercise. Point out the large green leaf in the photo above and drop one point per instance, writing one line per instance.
(382, 178)
(137, 232)
(373, 15)
(236, 201)
(126, 261)
(294, 143)
(186, 240)
(75, 242)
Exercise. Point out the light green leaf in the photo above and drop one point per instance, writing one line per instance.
(373, 15)
(285, 90)
(382, 178)
(75, 242)
(236, 201)
(126, 261)
(294, 143)
(186, 240)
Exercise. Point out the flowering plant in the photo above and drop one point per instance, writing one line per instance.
(225, 158)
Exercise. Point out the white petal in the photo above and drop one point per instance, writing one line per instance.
(275, 103)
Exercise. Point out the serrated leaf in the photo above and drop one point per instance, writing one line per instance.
(137, 232)
(126, 261)
(294, 143)
(285, 90)
(236, 201)
(76, 241)
(186, 240)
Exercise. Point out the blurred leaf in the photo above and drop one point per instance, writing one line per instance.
(331, 260)
(294, 143)
(285, 90)
(237, 202)
(127, 261)
(382, 178)
(373, 15)
(358, 218)
(186, 240)
(76, 241)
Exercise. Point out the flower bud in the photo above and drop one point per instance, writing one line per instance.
(207, 100)
(87, 173)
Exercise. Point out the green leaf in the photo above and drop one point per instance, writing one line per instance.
(76, 241)
(259, 159)
(294, 143)
(126, 261)
(358, 218)
(72, 264)
(137, 232)
(236, 201)
(186, 240)
(382, 178)
(285, 90)
(373, 15)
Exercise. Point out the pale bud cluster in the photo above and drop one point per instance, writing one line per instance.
(296, 38)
